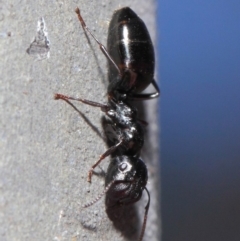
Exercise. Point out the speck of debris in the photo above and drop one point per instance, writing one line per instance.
(5, 34)
(40, 46)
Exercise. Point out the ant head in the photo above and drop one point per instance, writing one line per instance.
(128, 175)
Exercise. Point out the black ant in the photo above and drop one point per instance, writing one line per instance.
(131, 69)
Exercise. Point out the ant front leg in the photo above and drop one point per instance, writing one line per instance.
(105, 154)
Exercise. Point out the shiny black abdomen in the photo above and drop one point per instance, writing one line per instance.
(130, 46)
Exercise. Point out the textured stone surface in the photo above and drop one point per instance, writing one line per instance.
(46, 146)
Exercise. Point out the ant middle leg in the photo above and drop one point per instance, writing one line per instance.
(147, 96)
(105, 154)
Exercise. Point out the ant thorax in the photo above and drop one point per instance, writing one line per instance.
(123, 126)
(121, 113)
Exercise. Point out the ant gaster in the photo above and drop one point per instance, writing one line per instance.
(131, 69)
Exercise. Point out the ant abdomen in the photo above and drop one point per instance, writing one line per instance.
(130, 45)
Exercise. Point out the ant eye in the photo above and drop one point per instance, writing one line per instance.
(123, 167)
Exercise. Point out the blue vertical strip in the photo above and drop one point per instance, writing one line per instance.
(200, 119)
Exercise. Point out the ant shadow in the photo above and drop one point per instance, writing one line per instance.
(100, 72)
(125, 219)
(94, 128)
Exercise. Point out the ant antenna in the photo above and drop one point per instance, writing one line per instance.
(99, 196)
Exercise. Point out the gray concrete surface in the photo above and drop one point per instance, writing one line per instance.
(46, 146)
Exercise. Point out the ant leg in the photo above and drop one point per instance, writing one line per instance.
(105, 154)
(145, 217)
(147, 96)
(101, 46)
(103, 107)
(142, 122)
